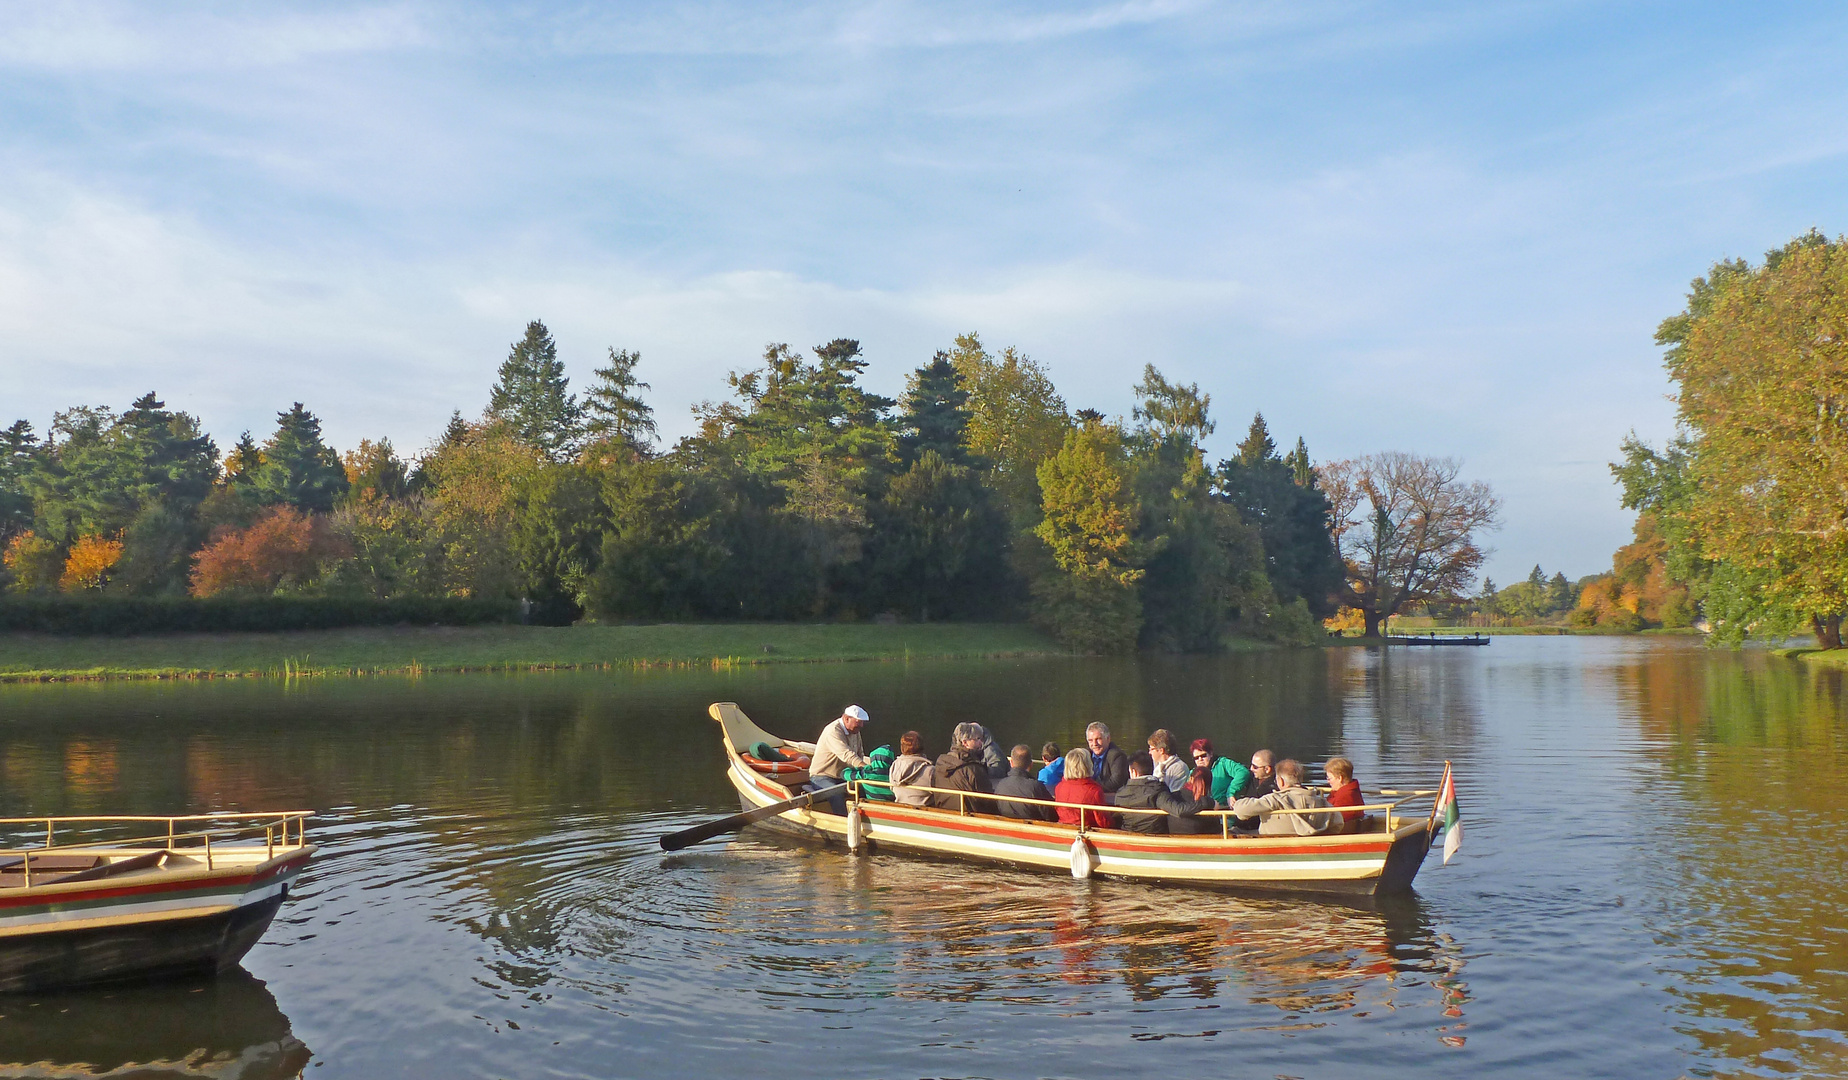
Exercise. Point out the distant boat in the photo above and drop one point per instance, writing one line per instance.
(1383, 856)
(192, 898)
(1438, 639)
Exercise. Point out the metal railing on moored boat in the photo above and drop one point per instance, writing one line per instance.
(275, 828)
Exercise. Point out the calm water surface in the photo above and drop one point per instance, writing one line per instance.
(1652, 884)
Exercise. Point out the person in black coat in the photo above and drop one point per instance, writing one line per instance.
(1139, 793)
(1109, 764)
(1022, 783)
(1184, 806)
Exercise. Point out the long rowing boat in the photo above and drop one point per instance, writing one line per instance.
(192, 897)
(1382, 856)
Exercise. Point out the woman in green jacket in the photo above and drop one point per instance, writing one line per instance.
(1229, 776)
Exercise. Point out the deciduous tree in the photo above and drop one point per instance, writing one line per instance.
(1016, 421)
(1407, 528)
(1089, 525)
(1760, 358)
(87, 566)
(33, 563)
(284, 549)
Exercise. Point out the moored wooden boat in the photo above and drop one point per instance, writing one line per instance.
(1381, 857)
(190, 895)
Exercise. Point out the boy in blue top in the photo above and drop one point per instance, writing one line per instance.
(1054, 762)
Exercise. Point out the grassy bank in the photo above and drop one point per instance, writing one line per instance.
(415, 650)
(1835, 658)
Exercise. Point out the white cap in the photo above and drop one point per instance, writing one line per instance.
(854, 712)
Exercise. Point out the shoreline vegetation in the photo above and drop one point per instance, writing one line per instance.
(31, 657)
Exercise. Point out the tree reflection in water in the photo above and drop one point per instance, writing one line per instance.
(1743, 822)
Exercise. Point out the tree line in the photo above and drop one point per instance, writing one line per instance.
(1742, 517)
(801, 495)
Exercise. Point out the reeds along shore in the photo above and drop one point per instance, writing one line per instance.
(427, 650)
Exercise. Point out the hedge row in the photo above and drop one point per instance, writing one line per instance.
(152, 615)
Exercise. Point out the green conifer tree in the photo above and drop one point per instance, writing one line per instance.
(1301, 471)
(531, 396)
(298, 468)
(1257, 449)
(613, 410)
(17, 446)
(244, 460)
(936, 414)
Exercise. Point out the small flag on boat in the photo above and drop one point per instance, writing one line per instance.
(1446, 809)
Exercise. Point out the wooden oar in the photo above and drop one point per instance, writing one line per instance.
(689, 837)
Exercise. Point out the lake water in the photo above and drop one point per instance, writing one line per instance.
(1652, 883)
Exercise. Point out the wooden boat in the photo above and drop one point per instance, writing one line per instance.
(1382, 856)
(191, 898)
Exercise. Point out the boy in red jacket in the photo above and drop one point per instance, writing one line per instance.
(1344, 790)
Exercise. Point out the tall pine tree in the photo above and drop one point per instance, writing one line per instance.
(531, 398)
(936, 413)
(613, 411)
(298, 468)
(1292, 517)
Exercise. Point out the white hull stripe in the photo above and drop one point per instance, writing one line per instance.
(1229, 866)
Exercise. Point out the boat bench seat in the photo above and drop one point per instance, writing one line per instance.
(45, 869)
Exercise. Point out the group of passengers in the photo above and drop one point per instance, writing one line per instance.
(1100, 774)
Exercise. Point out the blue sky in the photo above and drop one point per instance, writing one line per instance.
(1443, 228)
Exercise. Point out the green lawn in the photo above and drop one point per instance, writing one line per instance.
(413, 650)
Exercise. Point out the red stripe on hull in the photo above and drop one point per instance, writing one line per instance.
(214, 882)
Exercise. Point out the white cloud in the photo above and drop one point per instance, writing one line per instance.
(102, 37)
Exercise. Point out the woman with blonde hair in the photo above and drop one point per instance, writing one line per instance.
(1080, 787)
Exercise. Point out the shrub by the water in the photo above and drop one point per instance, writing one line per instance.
(146, 615)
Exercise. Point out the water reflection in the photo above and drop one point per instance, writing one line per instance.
(949, 931)
(226, 1029)
(1745, 832)
(1652, 883)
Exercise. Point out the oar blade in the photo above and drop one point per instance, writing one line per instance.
(686, 838)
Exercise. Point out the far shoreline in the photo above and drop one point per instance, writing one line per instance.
(419, 650)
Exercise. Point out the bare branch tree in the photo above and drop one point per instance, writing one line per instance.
(1407, 528)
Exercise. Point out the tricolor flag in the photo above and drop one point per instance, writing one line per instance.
(1446, 808)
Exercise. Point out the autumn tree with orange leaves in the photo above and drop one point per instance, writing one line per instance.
(283, 548)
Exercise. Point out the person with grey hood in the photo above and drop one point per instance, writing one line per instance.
(992, 758)
(1290, 795)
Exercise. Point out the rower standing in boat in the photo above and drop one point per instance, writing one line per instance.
(837, 750)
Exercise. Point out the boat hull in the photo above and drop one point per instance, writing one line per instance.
(158, 925)
(1372, 863)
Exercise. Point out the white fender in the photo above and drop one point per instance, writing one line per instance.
(1084, 858)
(853, 829)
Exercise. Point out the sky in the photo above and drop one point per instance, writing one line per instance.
(1449, 229)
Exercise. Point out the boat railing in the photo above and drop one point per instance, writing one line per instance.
(284, 830)
(1396, 798)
